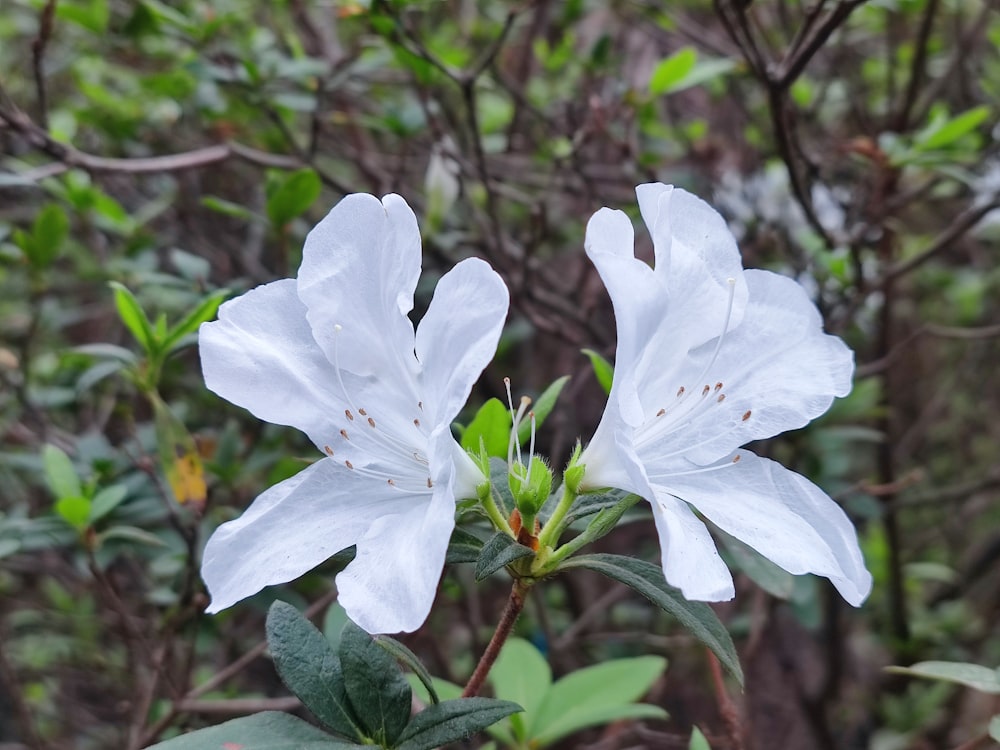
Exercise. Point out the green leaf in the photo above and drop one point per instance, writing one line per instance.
(74, 510)
(403, 654)
(131, 534)
(269, 730)
(669, 74)
(647, 578)
(975, 676)
(542, 407)
(499, 550)
(491, 425)
(464, 547)
(48, 232)
(602, 369)
(522, 675)
(106, 501)
(228, 208)
(453, 720)
(597, 695)
(310, 669)
(60, 473)
(994, 728)
(698, 741)
(203, 311)
(775, 581)
(134, 318)
(941, 133)
(293, 196)
(376, 687)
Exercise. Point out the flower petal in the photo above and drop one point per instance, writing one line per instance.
(458, 336)
(359, 268)
(391, 584)
(777, 366)
(293, 527)
(780, 514)
(260, 354)
(688, 554)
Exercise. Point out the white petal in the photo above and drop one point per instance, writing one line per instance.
(391, 584)
(688, 554)
(778, 365)
(783, 516)
(293, 527)
(458, 336)
(260, 354)
(639, 300)
(359, 268)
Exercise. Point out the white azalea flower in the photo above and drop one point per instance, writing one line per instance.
(334, 354)
(709, 358)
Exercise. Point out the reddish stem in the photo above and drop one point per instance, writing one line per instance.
(727, 708)
(510, 613)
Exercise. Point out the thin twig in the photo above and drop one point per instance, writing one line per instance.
(515, 603)
(730, 715)
(38, 60)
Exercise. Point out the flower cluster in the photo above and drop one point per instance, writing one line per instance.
(710, 357)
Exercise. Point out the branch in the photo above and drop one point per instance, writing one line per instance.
(38, 58)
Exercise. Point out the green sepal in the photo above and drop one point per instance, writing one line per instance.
(311, 669)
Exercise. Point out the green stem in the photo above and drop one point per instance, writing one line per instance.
(554, 528)
(490, 506)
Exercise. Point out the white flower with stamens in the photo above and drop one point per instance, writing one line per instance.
(709, 358)
(334, 354)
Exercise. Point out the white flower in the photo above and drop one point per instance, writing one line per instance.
(334, 354)
(709, 358)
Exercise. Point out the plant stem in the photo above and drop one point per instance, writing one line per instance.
(728, 710)
(553, 529)
(510, 613)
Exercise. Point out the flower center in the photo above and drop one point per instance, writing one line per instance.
(394, 460)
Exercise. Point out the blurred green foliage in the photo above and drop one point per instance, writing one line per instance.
(179, 150)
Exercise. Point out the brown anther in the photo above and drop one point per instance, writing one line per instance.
(661, 412)
(736, 458)
(718, 386)
(391, 482)
(721, 398)
(746, 416)
(429, 483)
(362, 412)
(347, 413)
(371, 422)
(348, 464)
(680, 391)
(705, 390)
(328, 449)
(343, 434)
(416, 422)
(420, 405)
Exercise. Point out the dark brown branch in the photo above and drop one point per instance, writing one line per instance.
(917, 69)
(38, 59)
(799, 58)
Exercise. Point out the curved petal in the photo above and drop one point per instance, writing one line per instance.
(638, 298)
(359, 268)
(782, 515)
(260, 354)
(777, 366)
(391, 584)
(458, 336)
(688, 554)
(293, 527)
